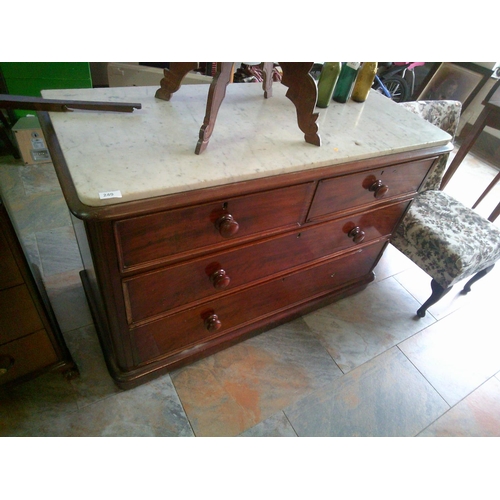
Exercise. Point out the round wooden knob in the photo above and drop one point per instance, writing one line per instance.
(6, 363)
(357, 234)
(379, 189)
(227, 226)
(220, 279)
(212, 323)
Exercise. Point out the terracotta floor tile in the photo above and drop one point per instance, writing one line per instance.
(239, 387)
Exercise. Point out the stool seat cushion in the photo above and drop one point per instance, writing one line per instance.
(446, 239)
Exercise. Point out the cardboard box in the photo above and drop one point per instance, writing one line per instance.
(30, 141)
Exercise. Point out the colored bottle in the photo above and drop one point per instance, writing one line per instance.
(327, 81)
(346, 80)
(364, 81)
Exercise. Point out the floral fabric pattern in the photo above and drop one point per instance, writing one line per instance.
(446, 239)
(444, 114)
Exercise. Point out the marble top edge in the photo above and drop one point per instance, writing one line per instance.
(150, 152)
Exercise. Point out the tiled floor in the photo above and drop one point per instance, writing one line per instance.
(363, 366)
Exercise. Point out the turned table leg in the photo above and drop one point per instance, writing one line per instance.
(303, 92)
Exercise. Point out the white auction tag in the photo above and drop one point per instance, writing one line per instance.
(110, 194)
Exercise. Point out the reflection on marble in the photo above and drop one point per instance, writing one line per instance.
(275, 426)
(458, 353)
(361, 326)
(247, 383)
(478, 415)
(385, 397)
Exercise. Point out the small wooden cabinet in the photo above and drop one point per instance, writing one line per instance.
(173, 277)
(30, 341)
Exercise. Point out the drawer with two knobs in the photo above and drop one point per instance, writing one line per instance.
(219, 316)
(150, 294)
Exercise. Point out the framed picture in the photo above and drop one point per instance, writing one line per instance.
(456, 81)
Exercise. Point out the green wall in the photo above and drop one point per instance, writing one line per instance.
(29, 78)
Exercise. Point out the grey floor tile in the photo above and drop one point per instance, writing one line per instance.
(458, 353)
(58, 250)
(392, 262)
(40, 211)
(152, 409)
(39, 178)
(33, 407)
(68, 300)
(94, 382)
(384, 397)
(361, 326)
(275, 426)
(478, 415)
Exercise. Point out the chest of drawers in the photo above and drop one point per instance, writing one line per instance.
(30, 340)
(173, 277)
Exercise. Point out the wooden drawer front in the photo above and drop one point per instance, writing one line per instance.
(188, 328)
(354, 190)
(154, 293)
(155, 237)
(18, 315)
(26, 355)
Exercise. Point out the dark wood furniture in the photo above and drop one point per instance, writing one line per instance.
(30, 340)
(489, 117)
(302, 91)
(173, 277)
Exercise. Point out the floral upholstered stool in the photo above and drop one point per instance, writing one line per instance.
(449, 241)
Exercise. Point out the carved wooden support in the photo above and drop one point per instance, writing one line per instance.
(216, 95)
(172, 79)
(303, 92)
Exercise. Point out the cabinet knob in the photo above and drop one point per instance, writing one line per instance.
(357, 234)
(220, 279)
(212, 323)
(379, 189)
(6, 363)
(227, 226)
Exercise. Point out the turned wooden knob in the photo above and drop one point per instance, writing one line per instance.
(379, 189)
(212, 323)
(220, 279)
(357, 234)
(6, 363)
(227, 226)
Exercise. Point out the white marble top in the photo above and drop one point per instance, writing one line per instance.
(150, 152)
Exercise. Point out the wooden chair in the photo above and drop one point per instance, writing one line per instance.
(489, 117)
(446, 239)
